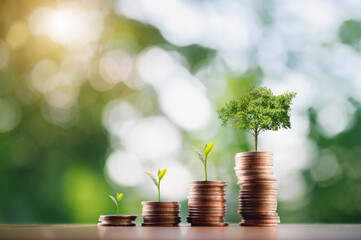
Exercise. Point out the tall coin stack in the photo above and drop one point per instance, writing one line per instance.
(207, 203)
(165, 214)
(258, 194)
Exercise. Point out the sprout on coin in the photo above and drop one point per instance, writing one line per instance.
(204, 157)
(116, 200)
(156, 182)
(257, 111)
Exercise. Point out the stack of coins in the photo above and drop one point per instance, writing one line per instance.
(165, 214)
(117, 220)
(258, 194)
(207, 203)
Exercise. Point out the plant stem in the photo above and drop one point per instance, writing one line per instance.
(255, 140)
(205, 168)
(117, 210)
(159, 192)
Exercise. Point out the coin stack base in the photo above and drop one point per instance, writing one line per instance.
(258, 194)
(207, 203)
(163, 214)
(117, 220)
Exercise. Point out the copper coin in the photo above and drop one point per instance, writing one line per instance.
(261, 214)
(161, 214)
(161, 203)
(209, 224)
(254, 153)
(200, 200)
(157, 220)
(220, 196)
(163, 209)
(257, 225)
(264, 221)
(257, 191)
(262, 184)
(255, 217)
(196, 215)
(205, 219)
(205, 205)
(267, 207)
(116, 225)
(223, 209)
(160, 224)
(208, 183)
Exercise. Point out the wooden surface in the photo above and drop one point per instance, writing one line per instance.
(283, 231)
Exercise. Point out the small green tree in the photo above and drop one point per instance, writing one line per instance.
(259, 110)
(207, 150)
(157, 182)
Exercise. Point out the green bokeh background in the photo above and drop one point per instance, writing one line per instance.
(55, 174)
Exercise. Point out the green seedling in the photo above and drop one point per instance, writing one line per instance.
(204, 157)
(258, 111)
(116, 200)
(157, 182)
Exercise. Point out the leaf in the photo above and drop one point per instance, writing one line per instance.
(153, 178)
(205, 146)
(119, 196)
(161, 174)
(209, 148)
(200, 156)
(114, 200)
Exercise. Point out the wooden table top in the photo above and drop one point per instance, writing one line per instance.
(283, 231)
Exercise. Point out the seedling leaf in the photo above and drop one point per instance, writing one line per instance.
(209, 148)
(114, 200)
(119, 196)
(153, 179)
(161, 174)
(200, 155)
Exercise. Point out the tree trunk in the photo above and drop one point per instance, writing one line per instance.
(255, 140)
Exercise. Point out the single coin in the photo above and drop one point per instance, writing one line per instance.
(209, 224)
(155, 207)
(162, 221)
(263, 218)
(261, 213)
(160, 203)
(116, 225)
(197, 215)
(160, 224)
(254, 153)
(206, 200)
(257, 225)
(208, 183)
(160, 215)
(264, 221)
(118, 216)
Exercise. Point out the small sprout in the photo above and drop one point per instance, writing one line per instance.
(116, 200)
(207, 150)
(157, 182)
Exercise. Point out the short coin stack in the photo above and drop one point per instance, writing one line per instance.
(207, 203)
(165, 214)
(258, 194)
(117, 220)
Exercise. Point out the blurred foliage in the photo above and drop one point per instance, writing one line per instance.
(55, 173)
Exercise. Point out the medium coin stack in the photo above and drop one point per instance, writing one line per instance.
(117, 220)
(258, 194)
(165, 214)
(207, 203)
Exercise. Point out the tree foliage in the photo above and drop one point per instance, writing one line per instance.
(257, 111)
